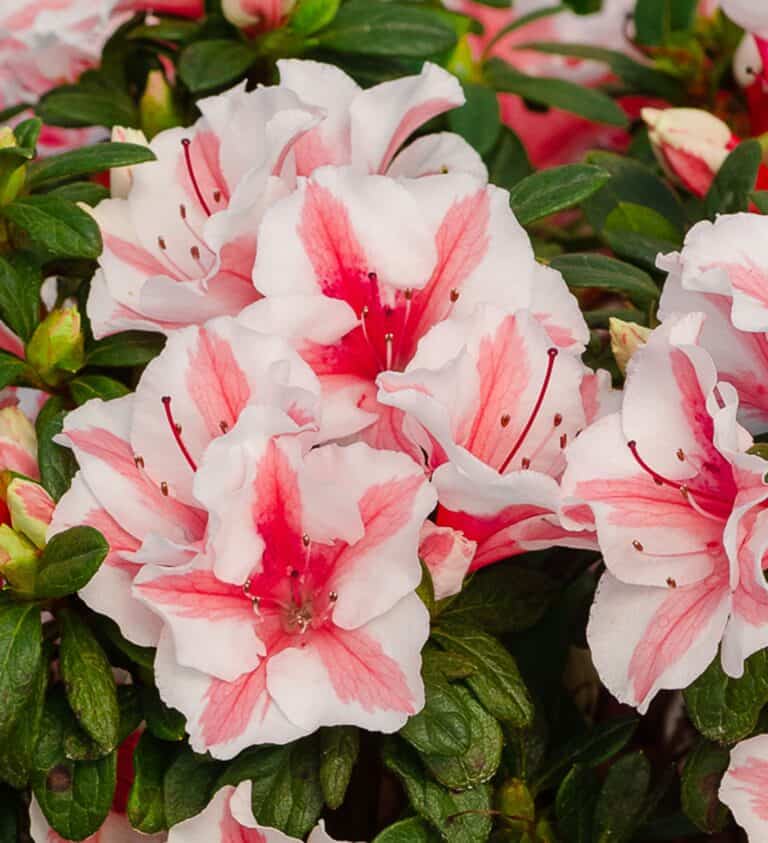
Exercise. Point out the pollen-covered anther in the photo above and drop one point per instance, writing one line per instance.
(333, 597)
(671, 582)
(505, 419)
(223, 426)
(680, 453)
(138, 461)
(164, 488)
(455, 294)
(161, 243)
(525, 463)
(638, 546)
(563, 441)
(558, 420)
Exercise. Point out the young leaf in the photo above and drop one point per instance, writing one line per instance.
(620, 805)
(20, 282)
(87, 160)
(587, 270)
(88, 680)
(146, 800)
(339, 748)
(21, 653)
(725, 709)
(56, 225)
(549, 191)
(69, 560)
(735, 180)
(386, 29)
(311, 15)
(703, 770)
(497, 681)
(57, 463)
(205, 65)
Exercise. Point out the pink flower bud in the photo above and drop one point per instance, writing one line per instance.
(56, 346)
(31, 509)
(18, 561)
(264, 14)
(691, 144)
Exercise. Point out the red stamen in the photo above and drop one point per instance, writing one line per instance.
(176, 430)
(552, 352)
(188, 158)
(661, 480)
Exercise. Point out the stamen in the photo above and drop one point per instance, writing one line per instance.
(681, 454)
(454, 296)
(389, 338)
(637, 545)
(161, 243)
(164, 488)
(186, 143)
(176, 430)
(195, 252)
(558, 420)
(217, 196)
(661, 480)
(671, 582)
(552, 353)
(138, 461)
(525, 463)
(333, 597)
(223, 426)
(563, 441)
(505, 419)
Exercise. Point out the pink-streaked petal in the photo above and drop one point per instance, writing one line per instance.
(645, 639)
(18, 443)
(217, 824)
(369, 677)
(448, 554)
(744, 788)
(436, 155)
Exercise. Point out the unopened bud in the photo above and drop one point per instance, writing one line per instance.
(31, 509)
(626, 338)
(264, 14)
(157, 106)
(57, 346)
(13, 170)
(515, 802)
(18, 561)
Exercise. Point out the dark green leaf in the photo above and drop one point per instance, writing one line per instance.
(620, 804)
(60, 227)
(168, 29)
(146, 801)
(109, 630)
(630, 218)
(735, 180)
(549, 191)
(88, 680)
(497, 681)
(583, 271)
(57, 463)
(188, 785)
(69, 560)
(339, 747)
(704, 768)
(86, 387)
(443, 726)
(18, 747)
(413, 830)
(27, 133)
(384, 29)
(656, 20)
(87, 160)
(508, 163)
(478, 121)
(81, 191)
(601, 743)
(725, 709)
(131, 348)
(11, 808)
(20, 281)
(163, 722)
(638, 248)
(205, 65)
(459, 817)
(130, 710)
(555, 93)
(479, 763)
(80, 105)
(12, 370)
(502, 598)
(21, 653)
(760, 198)
(575, 804)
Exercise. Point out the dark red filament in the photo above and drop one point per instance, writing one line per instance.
(661, 480)
(176, 430)
(552, 352)
(190, 169)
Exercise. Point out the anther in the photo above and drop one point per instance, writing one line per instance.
(525, 463)
(164, 488)
(333, 597)
(305, 540)
(637, 546)
(408, 294)
(671, 582)
(454, 296)
(681, 454)
(563, 441)
(372, 276)
(161, 243)
(217, 196)
(558, 420)
(505, 419)
(183, 211)
(138, 461)
(223, 426)
(195, 252)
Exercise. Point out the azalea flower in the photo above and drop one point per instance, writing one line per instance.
(679, 508)
(261, 14)
(356, 270)
(229, 817)
(116, 827)
(722, 271)
(138, 454)
(302, 612)
(496, 403)
(743, 788)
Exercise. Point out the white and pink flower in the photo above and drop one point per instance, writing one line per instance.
(744, 788)
(302, 612)
(138, 455)
(493, 402)
(679, 508)
(229, 819)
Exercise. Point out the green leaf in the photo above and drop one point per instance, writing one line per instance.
(81, 191)
(725, 709)
(760, 198)
(12, 370)
(735, 180)
(497, 681)
(57, 463)
(188, 785)
(130, 710)
(443, 726)
(311, 15)
(18, 747)
(656, 20)
(86, 387)
(508, 163)
(131, 348)
(75, 797)
(11, 808)
(82, 105)
(620, 805)
(555, 93)
(88, 680)
(479, 763)
(575, 804)
(206, 65)
(60, 227)
(628, 217)
(146, 800)
(69, 560)
(502, 598)
(167, 29)
(412, 830)
(21, 654)
(339, 748)
(20, 281)
(386, 29)
(163, 722)
(589, 750)
(704, 768)
(638, 248)
(459, 817)
(87, 160)
(478, 121)
(27, 133)
(108, 629)
(549, 191)
(589, 270)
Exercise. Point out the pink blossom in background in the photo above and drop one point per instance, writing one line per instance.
(679, 508)
(317, 623)
(182, 8)
(744, 788)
